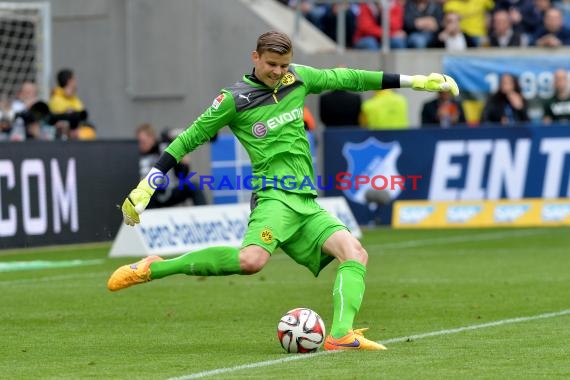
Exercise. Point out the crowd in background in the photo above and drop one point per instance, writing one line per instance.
(25, 116)
(454, 25)
(387, 109)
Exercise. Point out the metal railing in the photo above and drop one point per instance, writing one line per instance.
(341, 22)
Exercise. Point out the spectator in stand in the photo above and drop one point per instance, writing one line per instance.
(340, 108)
(557, 108)
(368, 34)
(422, 20)
(502, 34)
(310, 9)
(564, 6)
(525, 15)
(27, 95)
(5, 128)
(64, 97)
(451, 37)
(552, 32)
(443, 111)
(329, 21)
(34, 123)
(474, 16)
(6, 116)
(65, 104)
(387, 109)
(150, 149)
(507, 106)
(541, 6)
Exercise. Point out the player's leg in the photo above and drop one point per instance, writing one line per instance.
(261, 239)
(348, 292)
(322, 239)
(213, 261)
(349, 285)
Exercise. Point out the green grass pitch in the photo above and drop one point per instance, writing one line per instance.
(508, 288)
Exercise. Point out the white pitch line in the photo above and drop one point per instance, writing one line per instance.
(477, 327)
(268, 363)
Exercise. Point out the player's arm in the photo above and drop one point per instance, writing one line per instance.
(219, 114)
(363, 80)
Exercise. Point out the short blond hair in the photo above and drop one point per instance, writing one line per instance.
(274, 41)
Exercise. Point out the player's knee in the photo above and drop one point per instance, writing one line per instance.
(362, 254)
(250, 264)
(344, 246)
(358, 253)
(252, 259)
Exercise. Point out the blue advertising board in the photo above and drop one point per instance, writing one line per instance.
(478, 77)
(378, 167)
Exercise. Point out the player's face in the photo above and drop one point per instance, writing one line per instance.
(270, 67)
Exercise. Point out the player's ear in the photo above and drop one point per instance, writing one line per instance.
(255, 56)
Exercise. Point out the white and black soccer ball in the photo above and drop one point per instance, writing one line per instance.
(301, 330)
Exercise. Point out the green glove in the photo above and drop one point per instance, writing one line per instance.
(138, 199)
(435, 82)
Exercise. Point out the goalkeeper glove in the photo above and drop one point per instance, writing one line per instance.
(138, 199)
(435, 82)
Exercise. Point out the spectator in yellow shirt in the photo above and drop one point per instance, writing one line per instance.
(64, 97)
(67, 107)
(385, 110)
(474, 15)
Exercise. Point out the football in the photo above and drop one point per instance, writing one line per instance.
(301, 330)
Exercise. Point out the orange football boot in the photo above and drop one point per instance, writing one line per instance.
(132, 274)
(354, 340)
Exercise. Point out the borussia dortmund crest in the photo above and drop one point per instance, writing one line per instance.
(288, 79)
(267, 235)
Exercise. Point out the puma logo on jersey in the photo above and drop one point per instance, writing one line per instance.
(242, 96)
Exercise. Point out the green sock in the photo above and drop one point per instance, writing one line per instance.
(213, 261)
(347, 296)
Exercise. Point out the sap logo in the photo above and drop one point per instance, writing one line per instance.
(285, 117)
(414, 214)
(509, 213)
(555, 213)
(462, 214)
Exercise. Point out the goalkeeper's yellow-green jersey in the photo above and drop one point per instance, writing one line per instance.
(268, 122)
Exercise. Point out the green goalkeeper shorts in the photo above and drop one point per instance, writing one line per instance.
(296, 223)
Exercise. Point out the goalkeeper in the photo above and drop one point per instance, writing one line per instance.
(265, 112)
